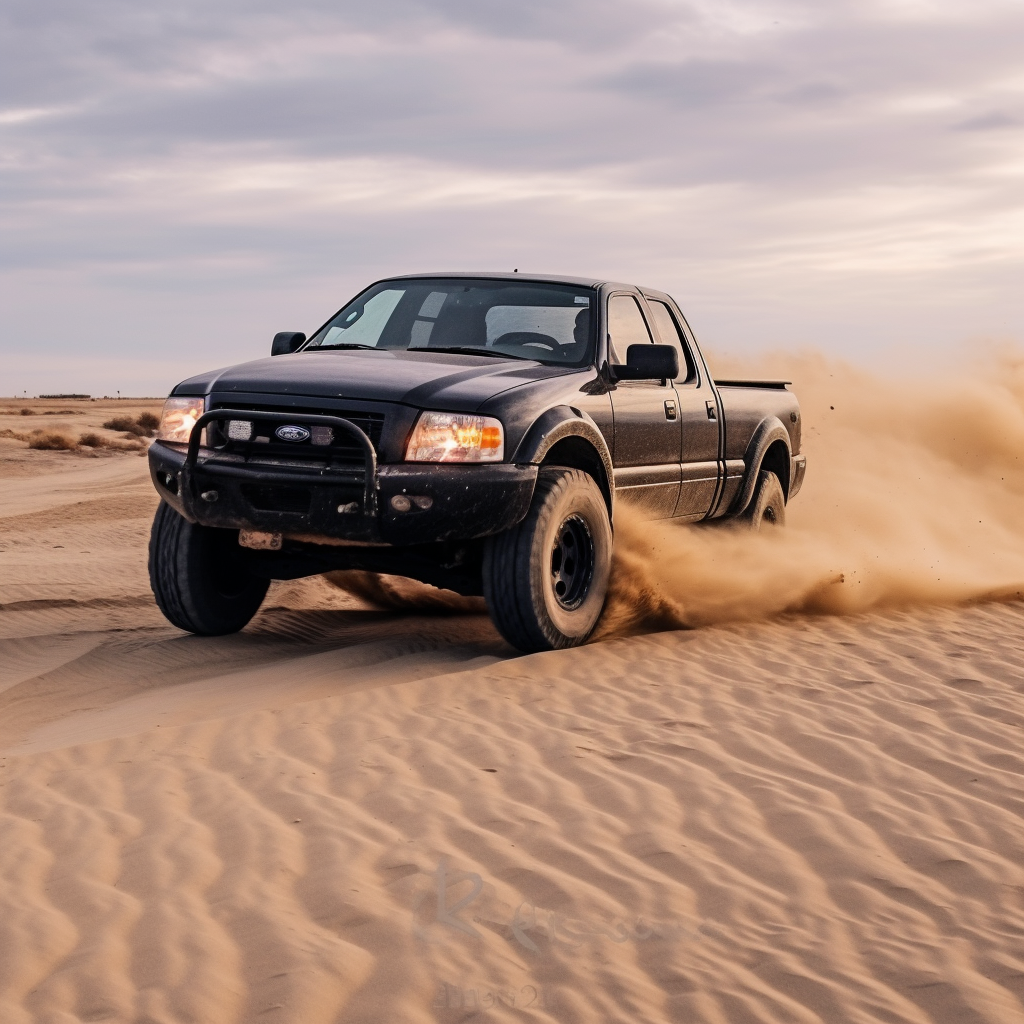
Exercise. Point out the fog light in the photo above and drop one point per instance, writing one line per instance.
(400, 503)
(239, 430)
(169, 480)
(210, 495)
(321, 435)
(422, 501)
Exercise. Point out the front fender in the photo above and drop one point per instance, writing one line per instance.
(557, 424)
(767, 432)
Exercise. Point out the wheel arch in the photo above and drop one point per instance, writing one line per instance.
(566, 437)
(768, 449)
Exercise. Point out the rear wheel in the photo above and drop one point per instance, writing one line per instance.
(546, 579)
(768, 508)
(198, 576)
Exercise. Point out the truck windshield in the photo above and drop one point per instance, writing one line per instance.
(549, 323)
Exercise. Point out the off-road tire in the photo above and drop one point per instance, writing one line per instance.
(768, 507)
(198, 576)
(520, 575)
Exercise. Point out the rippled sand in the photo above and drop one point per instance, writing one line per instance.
(345, 814)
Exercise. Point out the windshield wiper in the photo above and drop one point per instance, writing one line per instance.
(469, 350)
(344, 344)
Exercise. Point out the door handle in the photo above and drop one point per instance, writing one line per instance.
(670, 409)
(712, 410)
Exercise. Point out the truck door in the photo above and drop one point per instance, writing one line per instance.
(646, 414)
(698, 417)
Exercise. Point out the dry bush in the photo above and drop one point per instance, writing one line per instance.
(143, 426)
(28, 412)
(91, 440)
(126, 424)
(51, 441)
(15, 435)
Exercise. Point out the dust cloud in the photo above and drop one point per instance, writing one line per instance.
(913, 495)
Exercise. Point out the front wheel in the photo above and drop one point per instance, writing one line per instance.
(199, 577)
(546, 579)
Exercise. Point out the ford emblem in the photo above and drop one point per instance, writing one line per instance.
(289, 432)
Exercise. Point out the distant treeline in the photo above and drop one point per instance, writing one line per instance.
(65, 396)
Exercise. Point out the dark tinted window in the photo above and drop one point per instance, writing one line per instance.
(626, 326)
(668, 331)
(547, 322)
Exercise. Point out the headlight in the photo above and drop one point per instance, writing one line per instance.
(179, 417)
(454, 437)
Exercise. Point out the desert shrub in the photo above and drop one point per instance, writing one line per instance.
(143, 426)
(91, 440)
(15, 435)
(28, 412)
(126, 424)
(50, 440)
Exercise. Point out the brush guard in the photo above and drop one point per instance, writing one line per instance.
(249, 472)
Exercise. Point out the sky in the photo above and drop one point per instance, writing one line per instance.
(179, 181)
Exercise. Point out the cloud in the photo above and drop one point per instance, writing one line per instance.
(781, 163)
(997, 120)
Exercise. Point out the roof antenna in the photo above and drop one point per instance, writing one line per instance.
(516, 271)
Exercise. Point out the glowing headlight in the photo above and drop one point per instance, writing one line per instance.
(179, 417)
(454, 437)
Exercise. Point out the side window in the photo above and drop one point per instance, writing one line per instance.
(668, 331)
(626, 326)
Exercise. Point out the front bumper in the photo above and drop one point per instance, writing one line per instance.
(465, 501)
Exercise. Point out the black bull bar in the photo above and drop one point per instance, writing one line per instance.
(245, 472)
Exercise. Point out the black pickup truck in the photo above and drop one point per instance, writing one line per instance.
(472, 431)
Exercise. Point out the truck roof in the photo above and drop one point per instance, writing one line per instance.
(583, 282)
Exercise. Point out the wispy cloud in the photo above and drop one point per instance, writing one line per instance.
(792, 170)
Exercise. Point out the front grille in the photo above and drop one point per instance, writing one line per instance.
(278, 499)
(342, 449)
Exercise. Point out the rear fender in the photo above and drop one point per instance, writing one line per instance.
(768, 432)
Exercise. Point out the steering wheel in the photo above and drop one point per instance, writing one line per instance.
(525, 339)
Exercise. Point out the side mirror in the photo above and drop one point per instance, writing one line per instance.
(286, 341)
(648, 362)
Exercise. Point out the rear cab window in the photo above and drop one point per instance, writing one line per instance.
(670, 334)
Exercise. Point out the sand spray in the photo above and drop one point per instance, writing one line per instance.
(914, 494)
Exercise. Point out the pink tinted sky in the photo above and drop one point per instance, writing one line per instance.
(180, 182)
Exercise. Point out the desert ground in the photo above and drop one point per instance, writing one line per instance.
(783, 784)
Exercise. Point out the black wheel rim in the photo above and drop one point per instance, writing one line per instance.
(572, 562)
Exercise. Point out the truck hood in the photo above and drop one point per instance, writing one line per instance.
(421, 379)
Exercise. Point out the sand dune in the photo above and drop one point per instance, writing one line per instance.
(354, 815)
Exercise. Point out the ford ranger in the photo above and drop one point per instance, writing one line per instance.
(476, 432)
